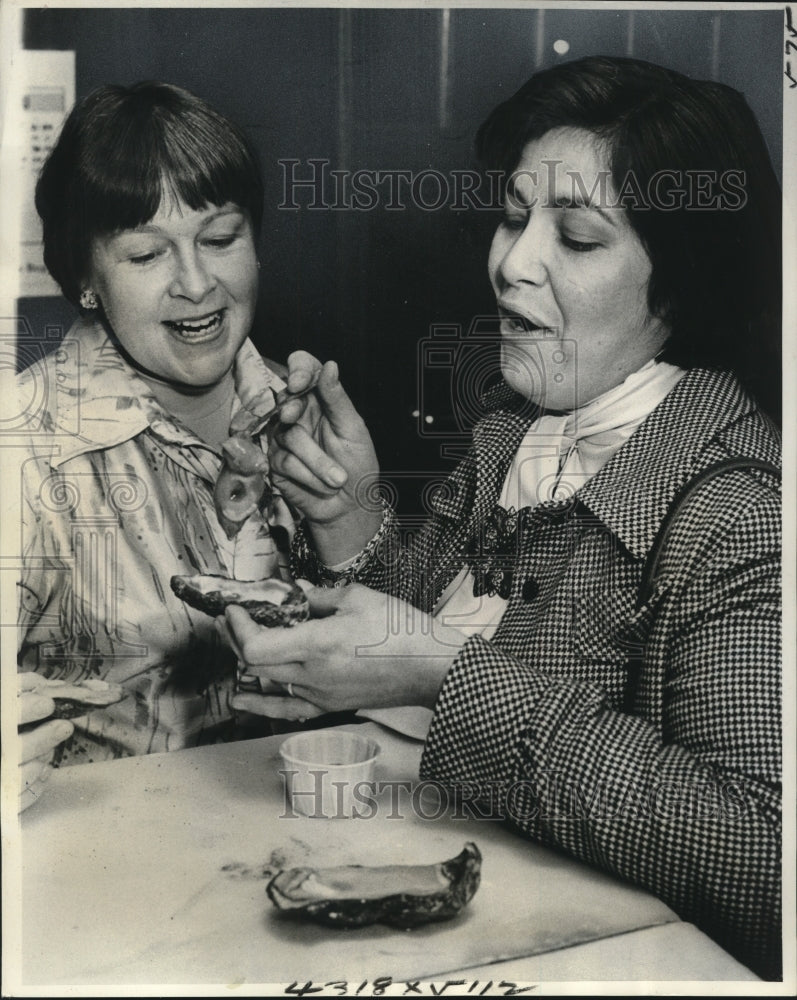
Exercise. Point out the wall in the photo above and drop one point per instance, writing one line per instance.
(384, 90)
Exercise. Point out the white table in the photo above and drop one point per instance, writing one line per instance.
(152, 870)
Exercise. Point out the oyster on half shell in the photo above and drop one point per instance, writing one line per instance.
(399, 895)
(270, 602)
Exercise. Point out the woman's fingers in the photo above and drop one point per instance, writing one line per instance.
(272, 677)
(36, 693)
(261, 646)
(244, 633)
(323, 601)
(227, 637)
(320, 453)
(253, 682)
(32, 778)
(264, 647)
(292, 411)
(29, 680)
(31, 770)
(299, 458)
(302, 368)
(336, 405)
(275, 706)
(44, 739)
(343, 416)
(36, 746)
(303, 372)
(296, 658)
(33, 706)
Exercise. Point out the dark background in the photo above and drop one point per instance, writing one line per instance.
(385, 90)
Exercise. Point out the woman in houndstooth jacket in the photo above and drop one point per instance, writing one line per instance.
(636, 274)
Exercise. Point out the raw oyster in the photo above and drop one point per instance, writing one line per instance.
(399, 895)
(269, 602)
(242, 486)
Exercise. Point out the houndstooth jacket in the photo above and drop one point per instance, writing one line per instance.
(669, 779)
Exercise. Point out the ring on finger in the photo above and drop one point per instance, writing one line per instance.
(289, 686)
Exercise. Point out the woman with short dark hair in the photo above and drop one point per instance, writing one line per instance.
(691, 167)
(120, 150)
(151, 204)
(592, 612)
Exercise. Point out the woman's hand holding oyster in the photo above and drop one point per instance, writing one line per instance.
(323, 461)
(329, 454)
(45, 706)
(242, 488)
(359, 648)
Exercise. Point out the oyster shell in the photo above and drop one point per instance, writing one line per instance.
(399, 895)
(269, 602)
(81, 697)
(74, 698)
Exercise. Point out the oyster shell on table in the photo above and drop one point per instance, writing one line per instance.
(398, 895)
(269, 602)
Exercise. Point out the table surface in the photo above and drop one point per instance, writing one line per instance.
(152, 870)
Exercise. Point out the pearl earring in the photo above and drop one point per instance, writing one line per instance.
(88, 300)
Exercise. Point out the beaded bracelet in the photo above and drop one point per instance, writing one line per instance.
(306, 564)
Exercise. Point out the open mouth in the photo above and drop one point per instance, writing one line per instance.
(516, 323)
(197, 330)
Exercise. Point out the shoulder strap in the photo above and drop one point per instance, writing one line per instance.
(681, 498)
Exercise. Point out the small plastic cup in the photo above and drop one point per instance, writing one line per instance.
(328, 773)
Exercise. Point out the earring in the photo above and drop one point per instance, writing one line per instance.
(88, 300)
(258, 265)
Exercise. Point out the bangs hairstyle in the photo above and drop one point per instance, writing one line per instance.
(715, 253)
(121, 150)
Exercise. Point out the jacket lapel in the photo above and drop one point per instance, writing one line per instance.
(633, 492)
(472, 490)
